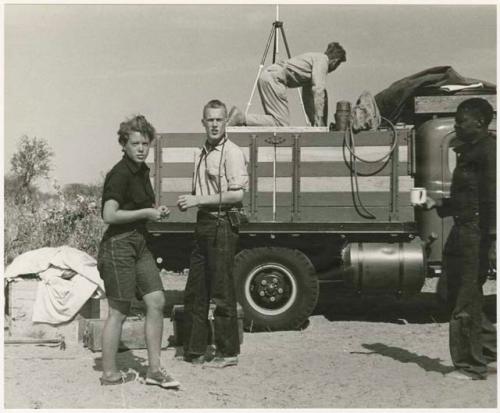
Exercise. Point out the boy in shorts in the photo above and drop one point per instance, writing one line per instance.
(124, 261)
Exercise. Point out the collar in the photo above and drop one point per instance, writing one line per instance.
(207, 147)
(461, 146)
(133, 166)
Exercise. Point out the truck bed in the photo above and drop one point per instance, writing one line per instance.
(298, 176)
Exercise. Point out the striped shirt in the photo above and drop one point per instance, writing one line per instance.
(219, 169)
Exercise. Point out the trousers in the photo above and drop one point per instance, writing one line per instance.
(273, 95)
(211, 279)
(472, 336)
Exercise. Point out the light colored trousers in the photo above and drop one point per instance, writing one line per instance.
(273, 94)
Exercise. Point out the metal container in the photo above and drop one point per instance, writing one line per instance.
(342, 115)
(384, 267)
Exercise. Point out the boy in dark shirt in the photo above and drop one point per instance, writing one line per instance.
(125, 263)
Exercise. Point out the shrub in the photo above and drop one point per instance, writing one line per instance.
(59, 220)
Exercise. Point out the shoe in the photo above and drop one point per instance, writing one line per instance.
(492, 367)
(195, 359)
(125, 377)
(459, 375)
(235, 117)
(162, 379)
(221, 362)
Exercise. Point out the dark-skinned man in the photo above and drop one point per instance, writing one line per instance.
(471, 246)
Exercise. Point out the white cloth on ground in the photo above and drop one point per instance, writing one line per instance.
(58, 299)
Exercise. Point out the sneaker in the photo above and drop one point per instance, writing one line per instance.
(162, 379)
(125, 377)
(221, 362)
(492, 367)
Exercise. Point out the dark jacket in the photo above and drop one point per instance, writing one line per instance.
(473, 186)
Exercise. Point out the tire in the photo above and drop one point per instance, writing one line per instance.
(276, 287)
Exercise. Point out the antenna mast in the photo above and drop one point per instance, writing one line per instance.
(274, 35)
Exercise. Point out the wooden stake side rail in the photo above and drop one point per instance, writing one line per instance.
(447, 103)
(299, 174)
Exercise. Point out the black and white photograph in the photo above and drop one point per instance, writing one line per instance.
(249, 205)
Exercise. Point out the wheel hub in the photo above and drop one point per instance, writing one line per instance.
(272, 288)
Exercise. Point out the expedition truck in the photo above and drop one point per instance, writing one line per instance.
(325, 208)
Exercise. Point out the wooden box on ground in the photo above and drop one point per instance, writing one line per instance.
(90, 333)
(178, 324)
(20, 294)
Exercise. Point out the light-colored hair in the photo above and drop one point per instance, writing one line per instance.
(214, 103)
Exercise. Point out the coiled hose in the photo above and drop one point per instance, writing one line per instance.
(350, 144)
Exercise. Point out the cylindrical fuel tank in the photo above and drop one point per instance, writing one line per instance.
(384, 267)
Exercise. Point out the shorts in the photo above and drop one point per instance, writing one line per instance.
(127, 267)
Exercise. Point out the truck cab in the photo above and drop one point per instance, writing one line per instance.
(435, 160)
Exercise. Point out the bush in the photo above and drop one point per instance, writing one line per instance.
(59, 220)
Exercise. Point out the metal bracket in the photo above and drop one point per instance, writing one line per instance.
(275, 140)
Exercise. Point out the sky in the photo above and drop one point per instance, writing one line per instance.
(74, 72)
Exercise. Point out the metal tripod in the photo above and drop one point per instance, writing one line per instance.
(276, 29)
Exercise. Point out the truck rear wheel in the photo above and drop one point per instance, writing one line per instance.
(277, 287)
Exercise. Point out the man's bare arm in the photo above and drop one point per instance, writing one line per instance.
(112, 214)
(228, 197)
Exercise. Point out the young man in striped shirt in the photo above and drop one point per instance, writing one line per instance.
(219, 181)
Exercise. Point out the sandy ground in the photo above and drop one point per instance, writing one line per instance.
(369, 354)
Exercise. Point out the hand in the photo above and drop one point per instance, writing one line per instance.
(164, 212)
(153, 214)
(492, 254)
(187, 201)
(427, 205)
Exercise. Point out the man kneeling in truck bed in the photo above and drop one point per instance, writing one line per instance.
(309, 71)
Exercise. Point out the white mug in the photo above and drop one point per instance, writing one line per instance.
(418, 196)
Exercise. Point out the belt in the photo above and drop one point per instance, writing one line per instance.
(212, 214)
(463, 219)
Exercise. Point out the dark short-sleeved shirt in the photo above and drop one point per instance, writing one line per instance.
(473, 186)
(128, 184)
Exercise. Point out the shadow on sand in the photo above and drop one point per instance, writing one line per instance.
(405, 356)
(421, 308)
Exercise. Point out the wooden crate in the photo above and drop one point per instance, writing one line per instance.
(95, 308)
(90, 333)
